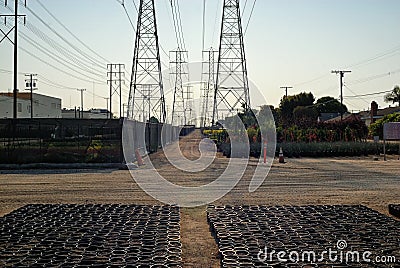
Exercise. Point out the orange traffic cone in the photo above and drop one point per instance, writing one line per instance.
(139, 158)
(281, 158)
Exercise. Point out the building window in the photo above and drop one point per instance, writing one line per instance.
(36, 102)
(28, 108)
(20, 107)
(53, 106)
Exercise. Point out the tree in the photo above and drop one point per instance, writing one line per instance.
(376, 129)
(289, 103)
(305, 115)
(248, 117)
(330, 105)
(393, 96)
(153, 120)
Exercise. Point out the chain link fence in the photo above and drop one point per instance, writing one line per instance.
(77, 140)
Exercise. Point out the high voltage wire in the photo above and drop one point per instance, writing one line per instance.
(369, 94)
(49, 82)
(127, 14)
(204, 25)
(215, 25)
(71, 33)
(77, 59)
(78, 50)
(244, 7)
(61, 70)
(57, 59)
(177, 36)
(251, 14)
(59, 48)
(356, 94)
(180, 24)
(373, 77)
(376, 57)
(380, 56)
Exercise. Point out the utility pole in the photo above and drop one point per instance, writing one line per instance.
(341, 73)
(286, 90)
(81, 90)
(15, 43)
(30, 84)
(107, 105)
(115, 74)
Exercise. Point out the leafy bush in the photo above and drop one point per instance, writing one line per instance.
(320, 149)
(376, 129)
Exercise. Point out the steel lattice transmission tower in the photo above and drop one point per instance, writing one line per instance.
(146, 94)
(208, 87)
(179, 105)
(232, 86)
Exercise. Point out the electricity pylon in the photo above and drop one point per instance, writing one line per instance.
(179, 106)
(231, 92)
(146, 94)
(208, 87)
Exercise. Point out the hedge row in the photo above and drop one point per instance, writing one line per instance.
(321, 149)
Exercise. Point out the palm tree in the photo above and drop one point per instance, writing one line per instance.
(393, 96)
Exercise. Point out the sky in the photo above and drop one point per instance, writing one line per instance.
(287, 43)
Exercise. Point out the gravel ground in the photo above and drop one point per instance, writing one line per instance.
(242, 232)
(305, 181)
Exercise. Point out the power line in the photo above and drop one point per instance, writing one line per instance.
(251, 14)
(56, 46)
(355, 94)
(376, 57)
(127, 14)
(53, 66)
(204, 25)
(369, 94)
(215, 25)
(177, 36)
(88, 57)
(356, 65)
(70, 32)
(180, 24)
(373, 77)
(58, 59)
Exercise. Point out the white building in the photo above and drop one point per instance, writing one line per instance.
(91, 114)
(43, 106)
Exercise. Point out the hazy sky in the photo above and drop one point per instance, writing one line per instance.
(288, 42)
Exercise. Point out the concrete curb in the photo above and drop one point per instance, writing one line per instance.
(119, 166)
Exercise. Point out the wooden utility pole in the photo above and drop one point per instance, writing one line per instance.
(341, 73)
(286, 90)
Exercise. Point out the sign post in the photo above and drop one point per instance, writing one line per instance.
(391, 132)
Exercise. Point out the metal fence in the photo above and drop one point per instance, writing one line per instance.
(78, 140)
